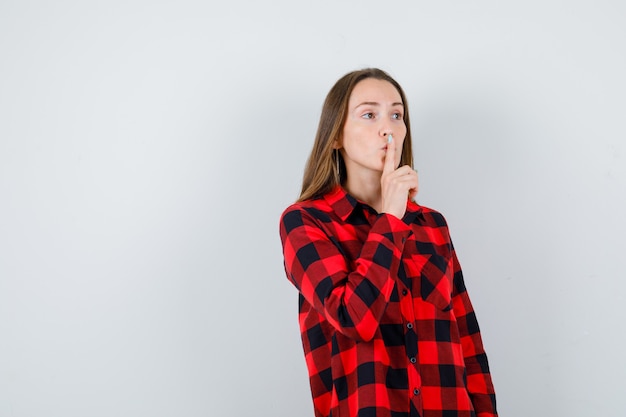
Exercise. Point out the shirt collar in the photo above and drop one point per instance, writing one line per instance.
(413, 211)
(343, 204)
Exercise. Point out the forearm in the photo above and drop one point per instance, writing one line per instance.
(351, 296)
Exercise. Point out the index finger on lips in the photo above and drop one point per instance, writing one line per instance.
(390, 156)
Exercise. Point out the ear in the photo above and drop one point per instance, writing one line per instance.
(337, 144)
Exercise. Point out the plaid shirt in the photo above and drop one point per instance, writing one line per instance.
(387, 326)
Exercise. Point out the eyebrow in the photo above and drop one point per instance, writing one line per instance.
(374, 103)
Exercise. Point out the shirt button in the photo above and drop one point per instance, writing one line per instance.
(409, 325)
(413, 360)
(404, 292)
(416, 391)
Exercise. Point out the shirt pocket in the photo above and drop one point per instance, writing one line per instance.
(436, 282)
(432, 275)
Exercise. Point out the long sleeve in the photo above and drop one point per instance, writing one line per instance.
(350, 294)
(479, 383)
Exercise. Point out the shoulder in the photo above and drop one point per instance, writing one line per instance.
(303, 212)
(431, 216)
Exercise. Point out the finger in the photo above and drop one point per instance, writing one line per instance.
(405, 171)
(390, 156)
(413, 191)
(408, 178)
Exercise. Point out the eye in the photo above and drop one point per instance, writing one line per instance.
(397, 116)
(368, 115)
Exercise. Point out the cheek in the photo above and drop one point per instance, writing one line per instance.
(401, 147)
(399, 152)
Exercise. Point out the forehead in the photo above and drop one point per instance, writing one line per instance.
(374, 90)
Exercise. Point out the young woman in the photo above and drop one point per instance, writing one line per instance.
(387, 326)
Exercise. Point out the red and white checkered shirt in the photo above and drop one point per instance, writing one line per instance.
(387, 326)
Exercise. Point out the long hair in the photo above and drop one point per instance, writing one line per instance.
(325, 168)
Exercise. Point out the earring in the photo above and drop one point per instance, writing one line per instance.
(337, 173)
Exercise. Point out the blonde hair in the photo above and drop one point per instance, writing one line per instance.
(325, 168)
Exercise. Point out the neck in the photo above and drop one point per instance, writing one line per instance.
(367, 190)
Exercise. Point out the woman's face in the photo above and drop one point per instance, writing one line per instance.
(375, 110)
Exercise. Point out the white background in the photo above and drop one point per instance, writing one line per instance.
(148, 148)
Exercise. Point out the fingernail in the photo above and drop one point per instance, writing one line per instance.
(389, 137)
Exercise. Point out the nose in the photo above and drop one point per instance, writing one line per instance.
(385, 128)
(386, 132)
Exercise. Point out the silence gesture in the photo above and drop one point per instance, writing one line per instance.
(396, 184)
